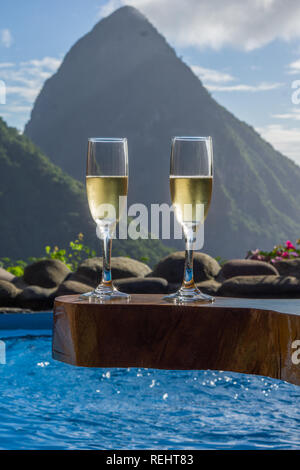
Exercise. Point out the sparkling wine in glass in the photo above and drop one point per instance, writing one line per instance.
(106, 186)
(191, 181)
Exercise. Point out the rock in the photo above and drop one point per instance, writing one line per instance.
(209, 287)
(260, 286)
(142, 285)
(171, 267)
(173, 287)
(90, 271)
(47, 273)
(19, 282)
(36, 298)
(8, 293)
(289, 267)
(5, 275)
(246, 267)
(73, 287)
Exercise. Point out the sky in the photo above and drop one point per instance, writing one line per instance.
(246, 53)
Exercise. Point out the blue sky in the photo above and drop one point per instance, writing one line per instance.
(246, 53)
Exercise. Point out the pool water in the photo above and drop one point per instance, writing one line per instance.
(49, 405)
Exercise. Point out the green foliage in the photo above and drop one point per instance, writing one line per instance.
(147, 251)
(16, 268)
(220, 260)
(77, 251)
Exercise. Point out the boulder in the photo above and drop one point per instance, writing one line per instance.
(90, 271)
(142, 285)
(171, 267)
(36, 298)
(246, 267)
(19, 282)
(173, 287)
(6, 275)
(73, 287)
(288, 267)
(260, 286)
(209, 287)
(47, 273)
(8, 293)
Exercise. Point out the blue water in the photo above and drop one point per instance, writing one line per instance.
(49, 405)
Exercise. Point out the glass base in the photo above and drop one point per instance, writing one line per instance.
(185, 294)
(104, 293)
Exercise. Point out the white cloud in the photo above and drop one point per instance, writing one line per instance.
(26, 92)
(109, 7)
(286, 140)
(264, 86)
(293, 114)
(294, 67)
(26, 79)
(15, 108)
(215, 80)
(247, 24)
(211, 75)
(49, 63)
(23, 83)
(6, 38)
(5, 65)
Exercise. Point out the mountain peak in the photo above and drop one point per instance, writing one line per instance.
(120, 42)
(124, 17)
(128, 10)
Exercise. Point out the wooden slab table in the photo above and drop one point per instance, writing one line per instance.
(253, 336)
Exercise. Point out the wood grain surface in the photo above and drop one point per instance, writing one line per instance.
(253, 336)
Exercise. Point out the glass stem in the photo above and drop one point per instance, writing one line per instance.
(188, 281)
(106, 270)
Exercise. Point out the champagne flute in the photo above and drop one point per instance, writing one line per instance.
(107, 186)
(191, 179)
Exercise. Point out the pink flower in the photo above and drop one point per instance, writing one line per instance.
(293, 253)
(277, 258)
(285, 254)
(289, 245)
